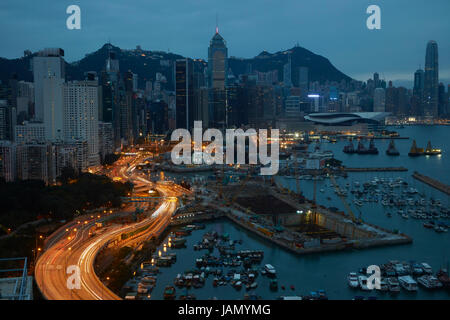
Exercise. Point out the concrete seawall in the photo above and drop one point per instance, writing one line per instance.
(432, 182)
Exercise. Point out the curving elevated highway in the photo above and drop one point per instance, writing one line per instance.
(75, 246)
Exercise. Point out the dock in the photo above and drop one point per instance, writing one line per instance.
(385, 169)
(432, 182)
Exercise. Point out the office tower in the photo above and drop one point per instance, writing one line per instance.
(184, 93)
(112, 95)
(379, 100)
(81, 116)
(303, 81)
(7, 160)
(217, 76)
(52, 99)
(431, 83)
(105, 139)
(292, 107)
(419, 79)
(159, 117)
(29, 132)
(442, 100)
(376, 80)
(25, 100)
(417, 98)
(48, 64)
(287, 71)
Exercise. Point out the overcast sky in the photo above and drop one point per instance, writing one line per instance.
(335, 29)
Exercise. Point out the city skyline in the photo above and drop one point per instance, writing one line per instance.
(398, 62)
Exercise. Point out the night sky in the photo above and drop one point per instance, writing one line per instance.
(335, 29)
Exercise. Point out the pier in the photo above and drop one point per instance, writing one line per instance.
(385, 169)
(432, 182)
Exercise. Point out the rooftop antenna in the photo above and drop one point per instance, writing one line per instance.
(217, 23)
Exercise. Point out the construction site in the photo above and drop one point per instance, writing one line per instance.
(284, 217)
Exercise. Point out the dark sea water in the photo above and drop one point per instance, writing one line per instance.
(329, 271)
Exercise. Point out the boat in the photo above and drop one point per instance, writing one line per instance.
(415, 151)
(384, 285)
(237, 285)
(350, 148)
(169, 293)
(270, 270)
(274, 285)
(362, 280)
(428, 225)
(392, 151)
(393, 284)
(408, 283)
(443, 277)
(427, 268)
(429, 282)
(429, 151)
(371, 150)
(352, 280)
(178, 242)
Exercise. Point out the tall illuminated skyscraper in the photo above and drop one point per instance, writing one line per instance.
(431, 83)
(217, 76)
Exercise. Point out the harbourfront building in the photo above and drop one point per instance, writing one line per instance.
(360, 122)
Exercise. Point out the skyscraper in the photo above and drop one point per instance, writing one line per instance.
(431, 83)
(303, 81)
(418, 83)
(48, 64)
(184, 92)
(287, 73)
(81, 116)
(217, 75)
(379, 100)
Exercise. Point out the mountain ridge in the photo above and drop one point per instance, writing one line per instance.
(147, 63)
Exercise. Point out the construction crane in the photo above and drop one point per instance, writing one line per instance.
(344, 201)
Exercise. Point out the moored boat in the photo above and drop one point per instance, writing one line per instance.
(352, 280)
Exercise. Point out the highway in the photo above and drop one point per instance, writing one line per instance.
(74, 245)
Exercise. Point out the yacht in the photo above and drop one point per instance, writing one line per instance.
(429, 282)
(408, 283)
(362, 280)
(352, 280)
(393, 284)
(270, 270)
(427, 268)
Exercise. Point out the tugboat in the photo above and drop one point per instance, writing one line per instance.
(392, 151)
(371, 150)
(415, 151)
(429, 151)
(350, 148)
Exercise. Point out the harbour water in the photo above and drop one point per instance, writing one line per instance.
(329, 271)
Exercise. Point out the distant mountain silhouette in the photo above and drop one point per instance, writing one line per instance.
(147, 63)
(320, 68)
